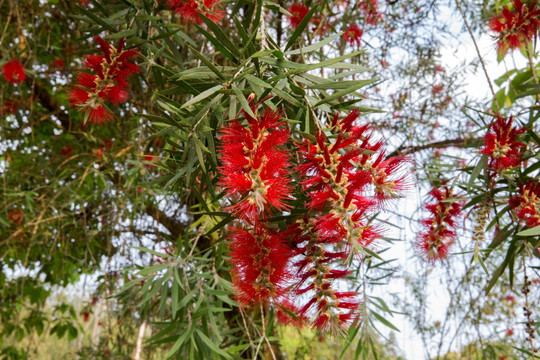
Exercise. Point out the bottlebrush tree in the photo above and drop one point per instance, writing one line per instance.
(218, 171)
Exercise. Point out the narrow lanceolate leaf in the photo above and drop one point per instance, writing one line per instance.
(344, 92)
(212, 345)
(300, 29)
(243, 101)
(313, 47)
(530, 232)
(202, 96)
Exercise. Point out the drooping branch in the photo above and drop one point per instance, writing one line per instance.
(405, 150)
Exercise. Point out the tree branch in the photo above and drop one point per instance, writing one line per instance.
(405, 150)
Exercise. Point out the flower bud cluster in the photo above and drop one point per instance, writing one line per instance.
(108, 84)
(439, 234)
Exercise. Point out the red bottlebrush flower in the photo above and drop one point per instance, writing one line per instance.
(509, 332)
(316, 275)
(353, 34)
(299, 12)
(98, 153)
(254, 168)
(439, 68)
(189, 10)
(510, 299)
(16, 216)
(14, 72)
(526, 205)
(109, 84)
(435, 241)
(437, 89)
(370, 8)
(516, 28)
(501, 144)
(57, 64)
(343, 175)
(150, 160)
(108, 144)
(86, 316)
(66, 150)
(384, 64)
(260, 258)
(9, 107)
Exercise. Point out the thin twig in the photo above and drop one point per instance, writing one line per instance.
(458, 4)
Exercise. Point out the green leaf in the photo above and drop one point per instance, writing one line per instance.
(313, 47)
(298, 31)
(181, 339)
(212, 345)
(344, 92)
(530, 232)
(202, 96)
(476, 171)
(243, 101)
(384, 321)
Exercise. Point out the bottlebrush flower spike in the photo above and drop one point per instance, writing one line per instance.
(255, 169)
(370, 8)
(439, 233)
(260, 259)
(351, 176)
(299, 12)
(501, 144)
(353, 35)
(526, 205)
(316, 276)
(108, 85)
(14, 72)
(189, 10)
(16, 216)
(516, 28)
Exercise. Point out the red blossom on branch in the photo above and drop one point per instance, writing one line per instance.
(260, 259)
(439, 234)
(189, 10)
(526, 205)
(108, 84)
(9, 107)
(516, 28)
(370, 8)
(352, 177)
(255, 168)
(16, 216)
(14, 72)
(299, 12)
(352, 35)
(501, 144)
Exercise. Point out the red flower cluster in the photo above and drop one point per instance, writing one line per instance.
(299, 12)
(255, 169)
(109, 84)
(347, 180)
(260, 257)
(16, 216)
(9, 107)
(353, 34)
(516, 28)
(255, 175)
(435, 241)
(526, 205)
(14, 72)
(189, 10)
(501, 144)
(370, 8)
